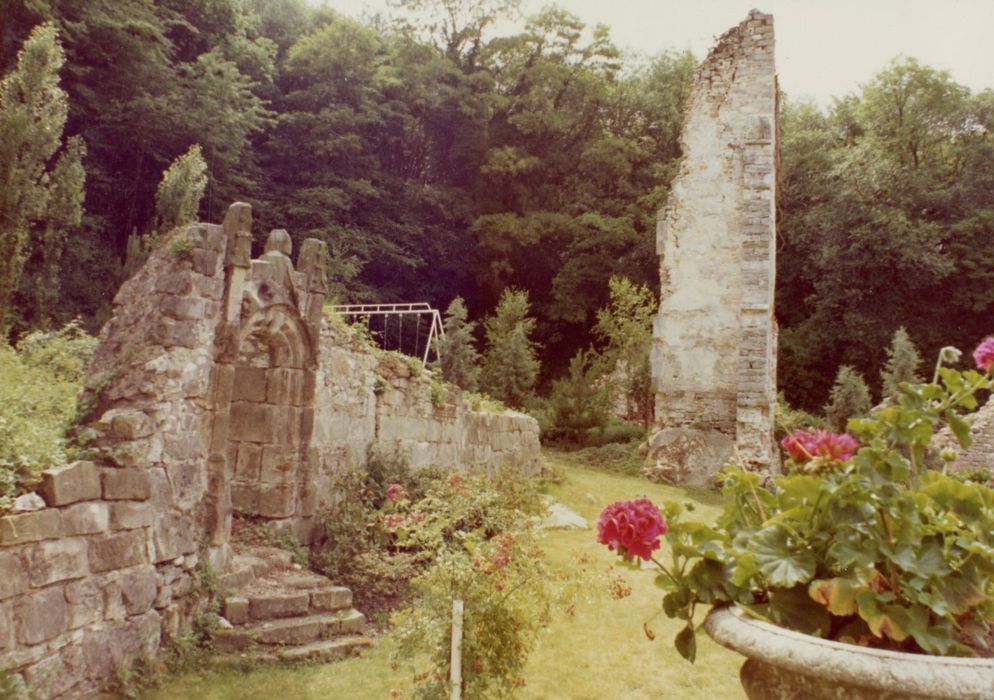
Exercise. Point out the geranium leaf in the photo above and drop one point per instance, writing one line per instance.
(686, 643)
(838, 595)
(782, 563)
(960, 428)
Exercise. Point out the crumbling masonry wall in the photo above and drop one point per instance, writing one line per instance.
(714, 351)
(218, 388)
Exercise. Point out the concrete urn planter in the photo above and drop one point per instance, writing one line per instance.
(785, 665)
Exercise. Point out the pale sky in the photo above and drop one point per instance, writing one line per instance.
(824, 48)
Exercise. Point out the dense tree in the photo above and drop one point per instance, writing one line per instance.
(39, 201)
(457, 353)
(902, 364)
(510, 364)
(849, 398)
(882, 219)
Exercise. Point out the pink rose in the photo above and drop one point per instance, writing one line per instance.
(395, 492)
(984, 355)
(632, 527)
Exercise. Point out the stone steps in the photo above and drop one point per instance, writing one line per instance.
(278, 611)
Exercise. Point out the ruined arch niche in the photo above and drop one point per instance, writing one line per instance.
(260, 463)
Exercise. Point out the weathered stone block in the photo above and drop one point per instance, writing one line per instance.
(125, 515)
(139, 588)
(250, 384)
(85, 519)
(187, 308)
(335, 598)
(249, 461)
(13, 578)
(236, 610)
(6, 626)
(205, 261)
(278, 462)
(129, 484)
(30, 527)
(277, 605)
(56, 560)
(27, 503)
(277, 500)
(174, 283)
(119, 551)
(126, 424)
(173, 535)
(77, 482)
(41, 616)
(252, 422)
(86, 601)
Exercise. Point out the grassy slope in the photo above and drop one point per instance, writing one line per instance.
(600, 653)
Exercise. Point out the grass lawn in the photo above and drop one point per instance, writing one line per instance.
(600, 653)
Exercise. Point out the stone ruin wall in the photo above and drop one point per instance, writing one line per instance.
(714, 350)
(217, 389)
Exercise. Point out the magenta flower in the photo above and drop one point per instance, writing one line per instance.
(395, 492)
(984, 355)
(632, 527)
(803, 446)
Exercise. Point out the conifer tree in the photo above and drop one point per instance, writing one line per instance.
(39, 203)
(457, 355)
(902, 364)
(850, 398)
(510, 366)
(580, 401)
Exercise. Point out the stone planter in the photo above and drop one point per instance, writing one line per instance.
(785, 665)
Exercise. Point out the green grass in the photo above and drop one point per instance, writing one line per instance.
(598, 653)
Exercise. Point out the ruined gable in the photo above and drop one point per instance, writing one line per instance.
(714, 339)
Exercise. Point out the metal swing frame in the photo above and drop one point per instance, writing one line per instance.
(419, 309)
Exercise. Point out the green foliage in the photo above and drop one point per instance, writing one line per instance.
(615, 431)
(39, 203)
(618, 457)
(39, 382)
(457, 354)
(625, 328)
(878, 549)
(902, 364)
(850, 397)
(481, 540)
(579, 403)
(12, 686)
(884, 200)
(510, 365)
(181, 248)
(788, 419)
(177, 199)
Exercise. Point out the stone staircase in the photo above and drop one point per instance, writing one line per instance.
(279, 611)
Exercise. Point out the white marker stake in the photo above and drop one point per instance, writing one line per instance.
(455, 664)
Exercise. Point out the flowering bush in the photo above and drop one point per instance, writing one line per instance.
(884, 549)
(480, 534)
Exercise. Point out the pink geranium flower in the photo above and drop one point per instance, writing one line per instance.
(632, 527)
(804, 446)
(984, 355)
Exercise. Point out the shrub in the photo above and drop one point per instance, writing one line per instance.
(481, 539)
(902, 364)
(510, 365)
(788, 420)
(39, 383)
(612, 457)
(850, 398)
(614, 431)
(456, 351)
(579, 403)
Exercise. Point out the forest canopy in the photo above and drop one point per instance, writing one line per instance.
(440, 160)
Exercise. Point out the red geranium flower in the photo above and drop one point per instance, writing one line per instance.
(632, 527)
